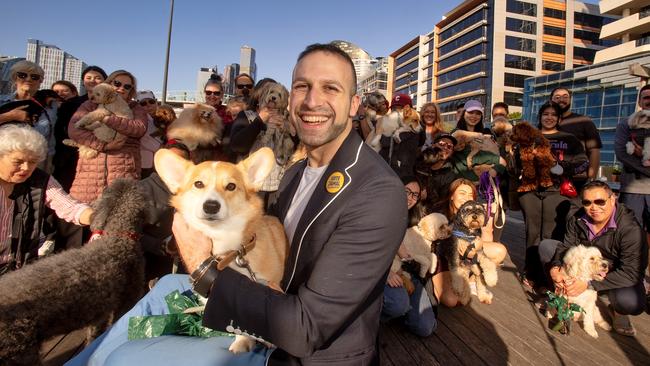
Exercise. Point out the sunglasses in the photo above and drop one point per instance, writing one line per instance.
(117, 84)
(244, 86)
(411, 194)
(215, 93)
(147, 101)
(598, 202)
(23, 76)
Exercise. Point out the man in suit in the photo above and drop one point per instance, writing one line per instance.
(344, 212)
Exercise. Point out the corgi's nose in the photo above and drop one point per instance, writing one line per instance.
(211, 207)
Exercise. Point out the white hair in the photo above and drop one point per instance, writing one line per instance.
(24, 139)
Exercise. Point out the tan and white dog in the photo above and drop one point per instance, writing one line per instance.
(220, 200)
(197, 125)
(586, 264)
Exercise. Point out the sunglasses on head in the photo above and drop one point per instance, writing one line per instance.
(215, 93)
(244, 86)
(23, 76)
(118, 84)
(598, 202)
(147, 101)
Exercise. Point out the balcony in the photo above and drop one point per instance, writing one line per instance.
(615, 7)
(623, 50)
(633, 25)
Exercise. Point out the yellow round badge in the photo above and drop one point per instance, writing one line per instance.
(334, 182)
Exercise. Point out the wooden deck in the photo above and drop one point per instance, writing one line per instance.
(510, 331)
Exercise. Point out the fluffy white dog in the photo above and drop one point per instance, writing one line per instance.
(586, 264)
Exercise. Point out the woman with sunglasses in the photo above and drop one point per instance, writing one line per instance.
(545, 209)
(116, 159)
(148, 144)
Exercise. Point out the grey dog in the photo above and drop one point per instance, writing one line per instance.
(87, 286)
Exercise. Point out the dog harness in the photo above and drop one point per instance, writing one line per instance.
(238, 255)
(470, 247)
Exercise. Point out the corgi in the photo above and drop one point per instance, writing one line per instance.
(220, 200)
(197, 125)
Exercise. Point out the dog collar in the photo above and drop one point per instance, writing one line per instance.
(238, 255)
(462, 235)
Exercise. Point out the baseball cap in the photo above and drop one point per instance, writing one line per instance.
(473, 105)
(145, 94)
(441, 136)
(400, 100)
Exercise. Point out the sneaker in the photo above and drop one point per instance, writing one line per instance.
(622, 324)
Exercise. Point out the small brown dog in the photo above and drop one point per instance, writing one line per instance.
(536, 157)
(199, 125)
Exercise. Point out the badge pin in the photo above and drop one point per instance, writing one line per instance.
(334, 182)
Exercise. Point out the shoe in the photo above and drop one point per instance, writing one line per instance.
(622, 324)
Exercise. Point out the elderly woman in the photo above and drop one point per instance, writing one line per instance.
(116, 159)
(26, 191)
(27, 78)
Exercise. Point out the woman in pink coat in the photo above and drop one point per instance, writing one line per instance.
(116, 159)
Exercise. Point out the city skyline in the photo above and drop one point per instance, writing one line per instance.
(113, 37)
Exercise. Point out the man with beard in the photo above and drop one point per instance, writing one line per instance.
(344, 213)
(583, 128)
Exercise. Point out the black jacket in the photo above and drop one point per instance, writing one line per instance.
(28, 216)
(336, 267)
(625, 248)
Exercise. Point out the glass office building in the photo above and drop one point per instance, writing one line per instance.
(606, 92)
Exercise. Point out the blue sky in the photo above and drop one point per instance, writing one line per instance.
(132, 34)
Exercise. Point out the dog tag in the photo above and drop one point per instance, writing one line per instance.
(334, 182)
(557, 169)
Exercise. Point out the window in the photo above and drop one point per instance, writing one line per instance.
(520, 7)
(520, 44)
(461, 41)
(408, 67)
(515, 80)
(589, 20)
(464, 87)
(552, 66)
(469, 53)
(584, 54)
(409, 55)
(554, 48)
(513, 99)
(644, 12)
(520, 62)
(522, 26)
(461, 72)
(463, 24)
(554, 31)
(555, 13)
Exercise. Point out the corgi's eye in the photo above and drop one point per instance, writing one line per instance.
(199, 184)
(231, 187)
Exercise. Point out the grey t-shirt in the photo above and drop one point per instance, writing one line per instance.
(310, 177)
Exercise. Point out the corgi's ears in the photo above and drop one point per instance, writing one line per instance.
(171, 168)
(257, 167)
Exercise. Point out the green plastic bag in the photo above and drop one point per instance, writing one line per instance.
(174, 323)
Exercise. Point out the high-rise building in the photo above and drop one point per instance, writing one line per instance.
(57, 64)
(6, 62)
(376, 80)
(364, 64)
(485, 49)
(247, 61)
(202, 77)
(632, 29)
(230, 72)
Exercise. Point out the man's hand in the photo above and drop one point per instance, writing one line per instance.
(576, 287)
(264, 114)
(481, 168)
(275, 120)
(16, 114)
(638, 149)
(394, 280)
(193, 246)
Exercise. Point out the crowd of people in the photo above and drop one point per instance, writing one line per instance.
(47, 186)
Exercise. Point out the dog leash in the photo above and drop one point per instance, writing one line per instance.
(238, 256)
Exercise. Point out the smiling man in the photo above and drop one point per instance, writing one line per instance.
(344, 213)
(612, 228)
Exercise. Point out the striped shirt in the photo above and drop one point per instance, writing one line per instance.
(65, 207)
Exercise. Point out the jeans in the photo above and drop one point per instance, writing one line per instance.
(625, 300)
(114, 348)
(420, 318)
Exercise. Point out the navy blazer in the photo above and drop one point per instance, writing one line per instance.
(336, 266)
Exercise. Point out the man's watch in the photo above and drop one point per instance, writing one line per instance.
(203, 277)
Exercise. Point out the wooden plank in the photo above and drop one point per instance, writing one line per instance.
(457, 346)
(417, 349)
(66, 348)
(437, 348)
(397, 354)
(49, 345)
